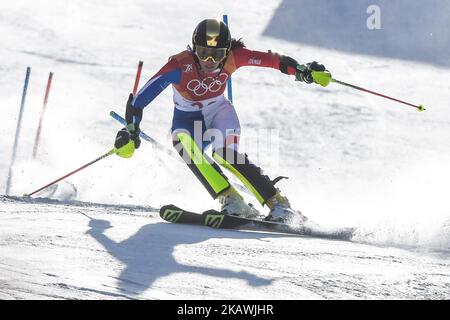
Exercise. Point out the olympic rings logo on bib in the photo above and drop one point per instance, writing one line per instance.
(209, 84)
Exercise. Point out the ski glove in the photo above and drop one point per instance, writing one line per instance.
(313, 72)
(127, 140)
(134, 131)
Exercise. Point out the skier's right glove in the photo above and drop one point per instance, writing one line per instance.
(127, 140)
(134, 131)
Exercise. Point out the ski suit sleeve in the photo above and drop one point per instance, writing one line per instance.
(169, 73)
(245, 57)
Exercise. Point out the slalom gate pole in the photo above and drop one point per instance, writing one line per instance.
(112, 151)
(146, 137)
(138, 77)
(419, 107)
(19, 122)
(229, 83)
(41, 119)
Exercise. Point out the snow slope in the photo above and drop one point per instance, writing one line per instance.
(352, 159)
(92, 251)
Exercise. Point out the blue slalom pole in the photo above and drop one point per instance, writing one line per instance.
(144, 136)
(229, 86)
(141, 134)
(19, 122)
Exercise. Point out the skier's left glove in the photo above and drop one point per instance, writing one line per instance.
(127, 140)
(313, 72)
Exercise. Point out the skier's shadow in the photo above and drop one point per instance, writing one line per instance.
(149, 254)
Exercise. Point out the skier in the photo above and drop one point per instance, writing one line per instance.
(198, 76)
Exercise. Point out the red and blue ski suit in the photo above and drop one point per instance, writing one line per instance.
(200, 103)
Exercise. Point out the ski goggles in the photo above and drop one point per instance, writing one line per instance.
(215, 54)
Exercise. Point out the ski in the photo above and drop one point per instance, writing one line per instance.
(218, 220)
(174, 214)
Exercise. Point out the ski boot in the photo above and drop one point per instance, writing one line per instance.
(281, 211)
(233, 204)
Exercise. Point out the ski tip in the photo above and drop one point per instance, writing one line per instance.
(166, 207)
(348, 233)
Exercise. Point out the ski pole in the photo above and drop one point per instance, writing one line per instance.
(112, 151)
(41, 120)
(419, 107)
(138, 77)
(229, 82)
(19, 122)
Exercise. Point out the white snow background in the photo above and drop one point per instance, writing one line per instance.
(351, 158)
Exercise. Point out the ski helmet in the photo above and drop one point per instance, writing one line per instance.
(211, 40)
